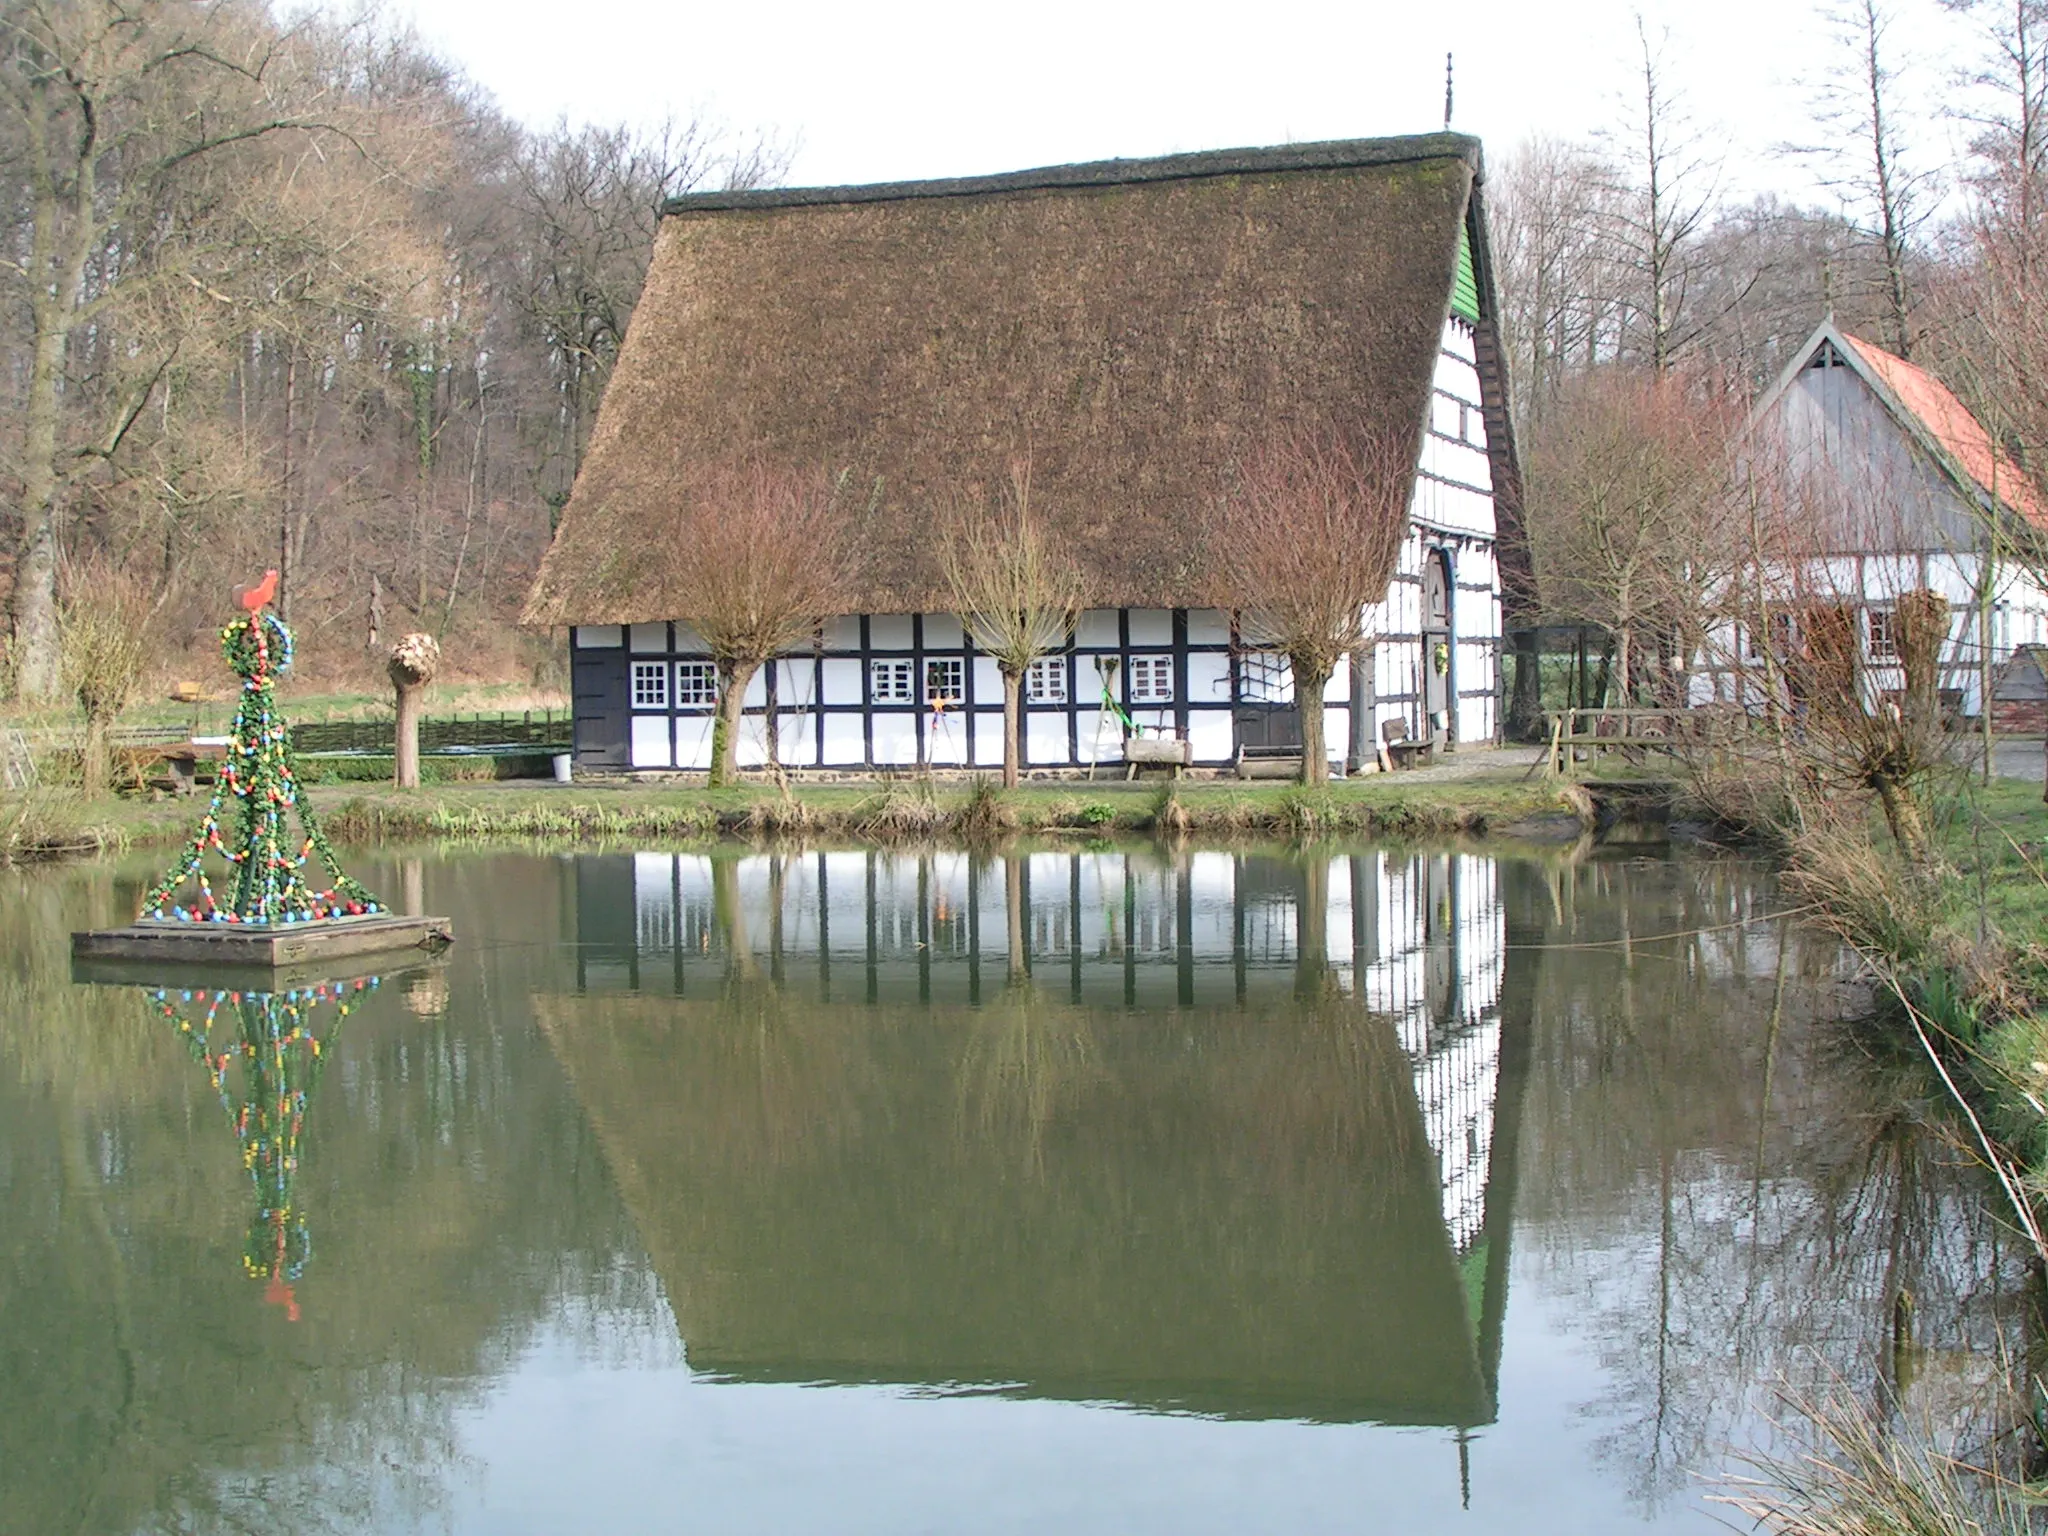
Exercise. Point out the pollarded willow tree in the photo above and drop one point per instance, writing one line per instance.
(1303, 545)
(1016, 591)
(755, 561)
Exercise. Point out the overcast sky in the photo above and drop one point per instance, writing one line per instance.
(897, 89)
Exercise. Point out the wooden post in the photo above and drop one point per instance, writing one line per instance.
(412, 665)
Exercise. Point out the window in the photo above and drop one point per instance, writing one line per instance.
(890, 681)
(1884, 643)
(1046, 681)
(945, 681)
(696, 684)
(650, 685)
(1265, 677)
(1151, 680)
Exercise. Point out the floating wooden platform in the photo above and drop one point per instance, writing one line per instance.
(209, 945)
(390, 968)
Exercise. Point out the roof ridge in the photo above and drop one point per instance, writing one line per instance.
(1323, 155)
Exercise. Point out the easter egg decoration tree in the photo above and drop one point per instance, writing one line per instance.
(266, 859)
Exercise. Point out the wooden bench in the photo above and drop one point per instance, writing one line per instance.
(1403, 750)
(181, 758)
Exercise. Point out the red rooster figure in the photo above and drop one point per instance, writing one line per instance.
(255, 599)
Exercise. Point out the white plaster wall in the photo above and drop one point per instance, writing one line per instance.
(797, 740)
(1208, 677)
(693, 741)
(842, 680)
(1096, 627)
(1210, 735)
(845, 742)
(652, 746)
(946, 738)
(895, 738)
(988, 736)
(1045, 738)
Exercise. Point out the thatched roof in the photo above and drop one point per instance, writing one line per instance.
(1130, 324)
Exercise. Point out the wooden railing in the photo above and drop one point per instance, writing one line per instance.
(1636, 732)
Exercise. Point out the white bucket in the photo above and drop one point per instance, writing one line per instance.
(563, 762)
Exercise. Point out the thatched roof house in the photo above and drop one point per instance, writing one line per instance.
(1130, 323)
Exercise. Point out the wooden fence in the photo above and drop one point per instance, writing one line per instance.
(533, 732)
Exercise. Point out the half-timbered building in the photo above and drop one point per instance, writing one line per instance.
(1132, 326)
(1894, 486)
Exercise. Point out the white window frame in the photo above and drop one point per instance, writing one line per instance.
(953, 692)
(1881, 634)
(1149, 680)
(696, 684)
(890, 682)
(650, 690)
(1045, 681)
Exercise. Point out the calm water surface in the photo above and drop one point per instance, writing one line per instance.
(1092, 1191)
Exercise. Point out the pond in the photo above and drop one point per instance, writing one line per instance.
(1094, 1190)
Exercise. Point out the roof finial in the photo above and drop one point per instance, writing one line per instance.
(1447, 93)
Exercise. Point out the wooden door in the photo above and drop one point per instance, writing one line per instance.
(598, 704)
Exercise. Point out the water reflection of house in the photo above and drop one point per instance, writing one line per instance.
(1315, 983)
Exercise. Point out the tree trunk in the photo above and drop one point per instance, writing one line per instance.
(33, 610)
(1013, 727)
(1309, 686)
(287, 567)
(1013, 911)
(406, 750)
(1908, 825)
(95, 769)
(1312, 930)
(733, 678)
(1525, 703)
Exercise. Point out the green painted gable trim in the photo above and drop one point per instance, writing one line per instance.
(1465, 289)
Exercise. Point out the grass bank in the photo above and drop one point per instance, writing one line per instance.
(916, 810)
(56, 823)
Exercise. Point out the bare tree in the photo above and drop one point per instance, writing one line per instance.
(1015, 590)
(1553, 206)
(1623, 498)
(588, 203)
(1671, 187)
(108, 107)
(1859, 107)
(755, 562)
(1304, 544)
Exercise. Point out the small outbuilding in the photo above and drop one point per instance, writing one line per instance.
(2019, 695)
(1132, 324)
